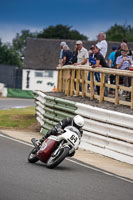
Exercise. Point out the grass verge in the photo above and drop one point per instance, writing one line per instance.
(19, 118)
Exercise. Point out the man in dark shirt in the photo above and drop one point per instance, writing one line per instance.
(100, 62)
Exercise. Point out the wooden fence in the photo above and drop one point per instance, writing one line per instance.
(73, 80)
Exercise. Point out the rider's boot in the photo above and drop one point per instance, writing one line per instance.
(71, 154)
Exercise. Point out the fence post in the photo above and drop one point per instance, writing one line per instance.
(77, 82)
(117, 89)
(83, 83)
(102, 87)
(131, 93)
(91, 85)
(72, 83)
(67, 82)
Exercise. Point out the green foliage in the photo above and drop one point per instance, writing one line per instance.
(9, 56)
(118, 33)
(61, 32)
(19, 42)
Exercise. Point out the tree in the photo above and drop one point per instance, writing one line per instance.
(61, 32)
(19, 42)
(9, 56)
(118, 33)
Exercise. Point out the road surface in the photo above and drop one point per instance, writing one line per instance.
(69, 181)
(6, 103)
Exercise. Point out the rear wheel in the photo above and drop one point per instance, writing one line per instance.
(56, 159)
(32, 157)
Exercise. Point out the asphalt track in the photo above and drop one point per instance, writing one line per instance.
(21, 180)
(7, 103)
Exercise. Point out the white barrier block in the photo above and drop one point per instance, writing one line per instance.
(108, 116)
(112, 131)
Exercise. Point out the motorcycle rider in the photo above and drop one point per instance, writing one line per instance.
(77, 121)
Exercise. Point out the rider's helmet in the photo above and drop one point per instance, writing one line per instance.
(78, 121)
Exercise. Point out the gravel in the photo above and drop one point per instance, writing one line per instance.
(95, 103)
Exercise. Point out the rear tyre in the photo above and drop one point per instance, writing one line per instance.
(32, 157)
(55, 160)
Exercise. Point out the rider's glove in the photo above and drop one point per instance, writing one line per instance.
(59, 130)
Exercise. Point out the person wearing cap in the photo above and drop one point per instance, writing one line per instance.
(118, 52)
(82, 57)
(123, 62)
(100, 62)
(102, 43)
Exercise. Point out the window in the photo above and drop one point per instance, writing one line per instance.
(48, 73)
(38, 74)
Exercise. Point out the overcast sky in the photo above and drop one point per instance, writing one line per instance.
(88, 17)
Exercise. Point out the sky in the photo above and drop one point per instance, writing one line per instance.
(89, 17)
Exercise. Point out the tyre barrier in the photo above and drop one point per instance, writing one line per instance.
(106, 132)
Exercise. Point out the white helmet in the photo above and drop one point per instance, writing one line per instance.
(78, 121)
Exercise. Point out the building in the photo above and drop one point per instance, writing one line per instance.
(40, 62)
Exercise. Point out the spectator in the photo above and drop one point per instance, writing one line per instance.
(102, 43)
(61, 52)
(129, 51)
(118, 52)
(92, 60)
(100, 62)
(67, 55)
(111, 65)
(123, 62)
(75, 54)
(82, 57)
(112, 57)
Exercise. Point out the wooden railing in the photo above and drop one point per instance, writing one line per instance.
(73, 80)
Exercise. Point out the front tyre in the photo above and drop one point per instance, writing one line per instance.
(32, 157)
(55, 160)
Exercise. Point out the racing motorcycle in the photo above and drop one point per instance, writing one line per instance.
(55, 149)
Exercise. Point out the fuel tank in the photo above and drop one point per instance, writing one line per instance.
(46, 149)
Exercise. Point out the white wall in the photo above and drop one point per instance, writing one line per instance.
(38, 83)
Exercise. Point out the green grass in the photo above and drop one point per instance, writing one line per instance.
(18, 118)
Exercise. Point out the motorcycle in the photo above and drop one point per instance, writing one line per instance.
(55, 149)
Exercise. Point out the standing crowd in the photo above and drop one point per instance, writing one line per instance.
(119, 58)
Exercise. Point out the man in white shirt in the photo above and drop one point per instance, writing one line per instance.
(82, 57)
(102, 43)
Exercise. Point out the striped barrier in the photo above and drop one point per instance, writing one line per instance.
(106, 132)
(50, 110)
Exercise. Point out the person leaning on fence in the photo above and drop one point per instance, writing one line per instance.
(111, 59)
(118, 52)
(100, 62)
(75, 54)
(82, 57)
(61, 52)
(124, 62)
(67, 55)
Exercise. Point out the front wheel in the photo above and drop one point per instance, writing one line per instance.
(32, 157)
(55, 160)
